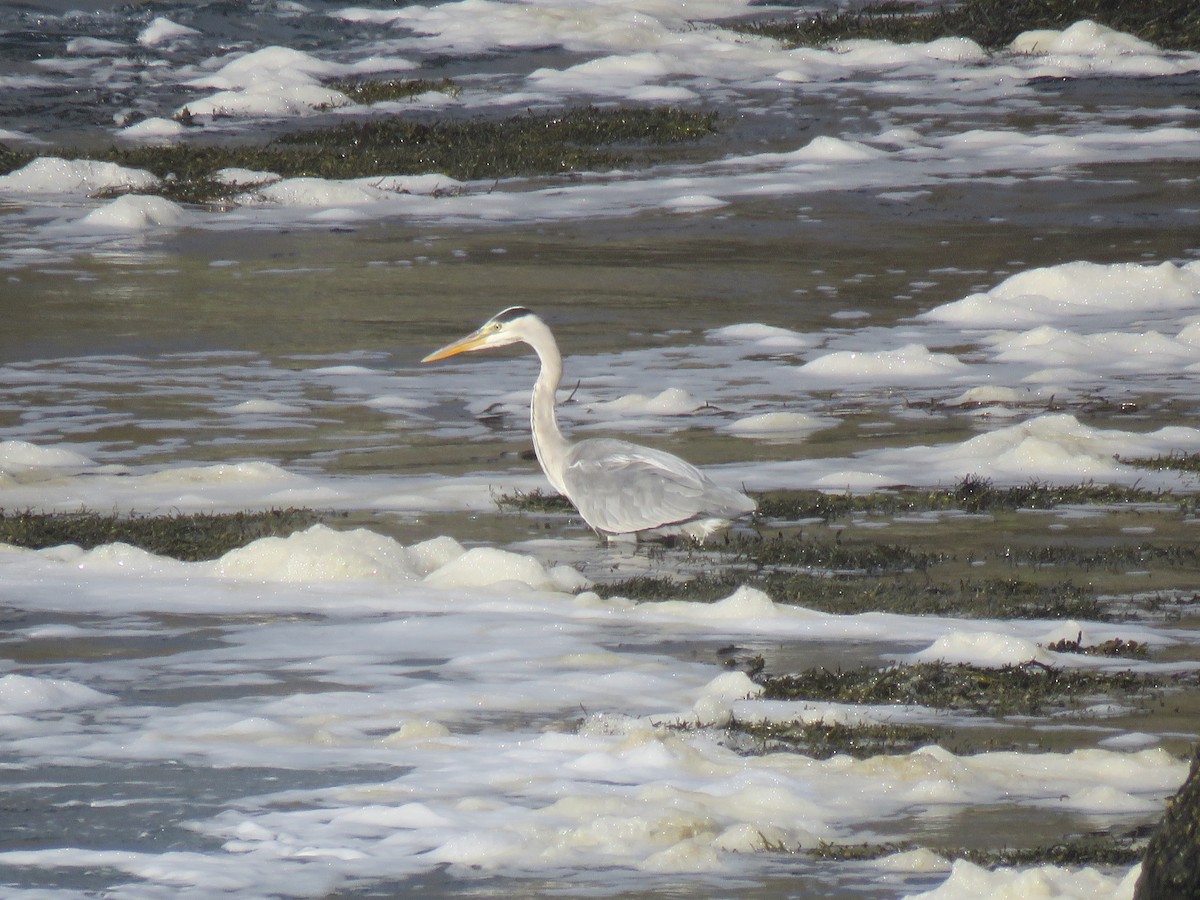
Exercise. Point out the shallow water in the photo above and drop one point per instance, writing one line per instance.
(334, 716)
(381, 296)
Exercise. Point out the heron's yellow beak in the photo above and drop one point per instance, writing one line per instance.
(473, 341)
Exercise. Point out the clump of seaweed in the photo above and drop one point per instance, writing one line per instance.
(367, 91)
(550, 143)
(1113, 558)
(901, 23)
(1174, 24)
(802, 505)
(11, 159)
(1084, 850)
(1178, 462)
(972, 494)
(185, 536)
(889, 592)
(1170, 605)
(1114, 647)
(1081, 850)
(535, 501)
(1012, 690)
(587, 138)
(793, 551)
(967, 597)
(821, 740)
(704, 588)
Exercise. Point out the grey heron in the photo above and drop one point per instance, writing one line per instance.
(620, 489)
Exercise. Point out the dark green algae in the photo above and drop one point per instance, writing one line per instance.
(1172, 24)
(1025, 690)
(1096, 849)
(368, 91)
(186, 536)
(552, 143)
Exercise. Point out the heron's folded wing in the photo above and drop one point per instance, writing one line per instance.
(620, 487)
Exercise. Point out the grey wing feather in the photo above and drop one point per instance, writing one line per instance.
(620, 488)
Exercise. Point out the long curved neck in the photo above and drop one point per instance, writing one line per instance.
(548, 441)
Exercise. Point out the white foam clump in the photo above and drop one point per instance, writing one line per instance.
(1056, 446)
(746, 604)
(430, 555)
(1096, 448)
(90, 46)
(204, 488)
(822, 150)
(270, 81)
(668, 402)
(162, 31)
(912, 364)
(319, 554)
(968, 881)
(1066, 356)
(135, 212)
(911, 861)
(986, 649)
(472, 26)
(1084, 38)
(489, 566)
(22, 694)
(1041, 296)
(116, 558)
(396, 403)
(52, 175)
(618, 72)
(1087, 47)
(988, 393)
(323, 554)
(279, 81)
(714, 708)
(323, 192)
(283, 62)
(831, 149)
(763, 337)
(246, 473)
(21, 459)
(778, 424)
(234, 175)
(153, 130)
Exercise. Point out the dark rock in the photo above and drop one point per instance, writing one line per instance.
(1171, 870)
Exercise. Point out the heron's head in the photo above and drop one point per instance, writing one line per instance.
(512, 326)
